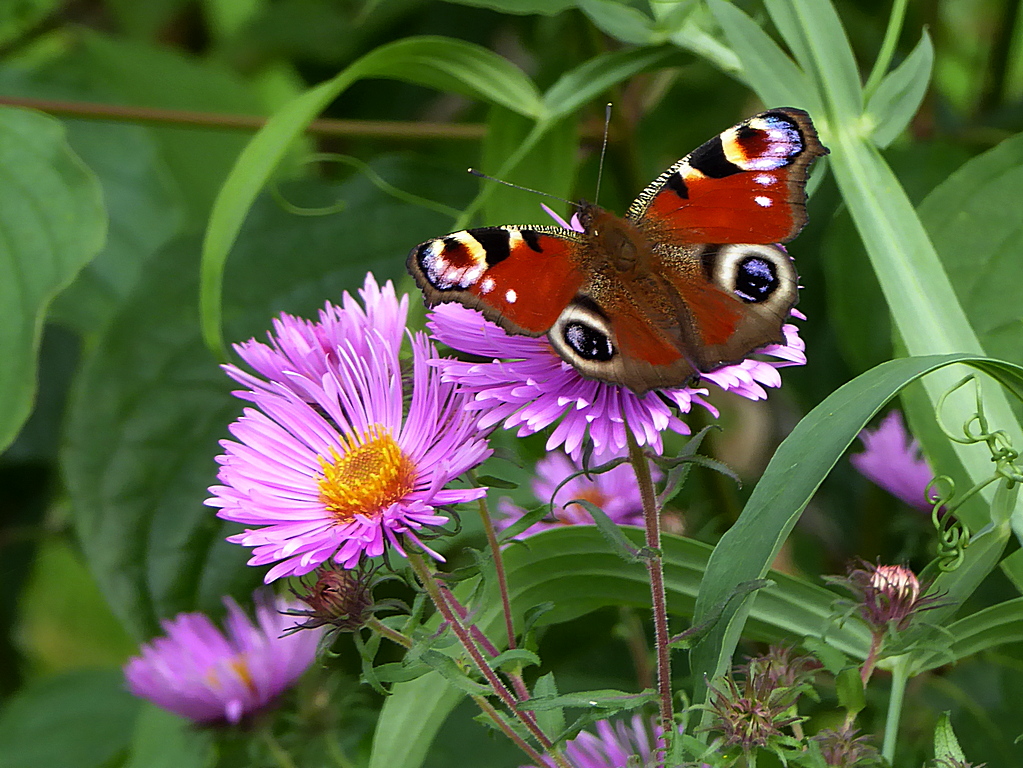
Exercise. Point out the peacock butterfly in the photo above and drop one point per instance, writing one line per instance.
(691, 279)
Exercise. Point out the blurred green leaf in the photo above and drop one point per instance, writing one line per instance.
(437, 62)
(900, 94)
(17, 17)
(976, 230)
(765, 66)
(621, 21)
(150, 403)
(147, 76)
(165, 740)
(144, 20)
(542, 7)
(52, 223)
(80, 719)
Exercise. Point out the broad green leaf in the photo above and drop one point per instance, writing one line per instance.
(143, 202)
(52, 222)
(793, 475)
(849, 688)
(147, 76)
(80, 719)
(575, 570)
(976, 232)
(621, 21)
(988, 628)
(900, 93)
(551, 719)
(18, 17)
(165, 740)
(765, 66)
(151, 404)
(435, 61)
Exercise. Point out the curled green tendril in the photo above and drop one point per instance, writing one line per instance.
(953, 534)
(954, 538)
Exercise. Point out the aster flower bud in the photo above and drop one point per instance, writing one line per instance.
(338, 598)
(843, 748)
(887, 595)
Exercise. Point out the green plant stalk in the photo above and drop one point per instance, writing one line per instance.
(900, 677)
(391, 634)
(884, 56)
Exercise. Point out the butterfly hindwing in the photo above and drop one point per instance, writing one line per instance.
(503, 271)
(746, 185)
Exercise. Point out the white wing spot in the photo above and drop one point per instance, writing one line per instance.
(510, 296)
(765, 179)
(487, 285)
(763, 202)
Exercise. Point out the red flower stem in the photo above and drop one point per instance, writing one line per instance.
(521, 743)
(655, 568)
(502, 581)
(521, 691)
(434, 590)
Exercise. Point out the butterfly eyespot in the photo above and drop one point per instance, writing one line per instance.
(588, 342)
(755, 279)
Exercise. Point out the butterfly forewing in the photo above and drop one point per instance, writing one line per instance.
(520, 277)
(746, 185)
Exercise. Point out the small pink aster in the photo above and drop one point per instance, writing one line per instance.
(528, 386)
(893, 461)
(616, 492)
(615, 745)
(334, 465)
(210, 676)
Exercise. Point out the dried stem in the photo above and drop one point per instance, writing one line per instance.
(655, 568)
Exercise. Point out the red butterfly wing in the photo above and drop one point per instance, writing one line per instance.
(746, 185)
(519, 277)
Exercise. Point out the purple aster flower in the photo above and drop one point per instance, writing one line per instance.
(528, 386)
(334, 465)
(614, 745)
(310, 349)
(616, 492)
(210, 676)
(892, 460)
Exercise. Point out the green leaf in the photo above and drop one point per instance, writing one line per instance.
(988, 628)
(595, 76)
(523, 7)
(81, 719)
(849, 688)
(946, 745)
(766, 68)
(18, 17)
(793, 475)
(454, 674)
(602, 699)
(147, 76)
(150, 404)
(628, 24)
(814, 34)
(550, 719)
(610, 531)
(52, 222)
(165, 740)
(977, 236)
(900, 93)
(433, 61)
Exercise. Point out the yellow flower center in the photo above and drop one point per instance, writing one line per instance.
(368, 474)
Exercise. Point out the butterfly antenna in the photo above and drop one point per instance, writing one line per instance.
(482, 175)
(603, 149)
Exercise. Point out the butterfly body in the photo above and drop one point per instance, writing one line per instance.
(689, 280)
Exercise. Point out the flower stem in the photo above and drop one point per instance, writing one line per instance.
(521, 743)
(391, 634)
(884, 56)
(453, 620)
(655, 568)
(502, 581)
(900, 676)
